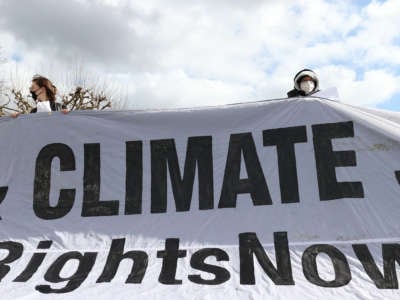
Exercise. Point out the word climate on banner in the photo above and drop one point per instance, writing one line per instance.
(199, 156)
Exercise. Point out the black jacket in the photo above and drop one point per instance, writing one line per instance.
(297, 93)
(53, 105)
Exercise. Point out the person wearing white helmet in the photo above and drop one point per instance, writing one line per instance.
(305, 83)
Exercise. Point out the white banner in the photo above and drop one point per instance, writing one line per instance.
(283, 199)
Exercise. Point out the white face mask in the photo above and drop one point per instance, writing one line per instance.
(43, 106)
(307, 86)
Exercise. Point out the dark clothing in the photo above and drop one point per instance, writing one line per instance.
(53, 105)
(297, 93)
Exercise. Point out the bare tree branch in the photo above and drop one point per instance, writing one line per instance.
(79, 99)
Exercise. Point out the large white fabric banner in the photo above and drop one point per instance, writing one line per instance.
(283, 199)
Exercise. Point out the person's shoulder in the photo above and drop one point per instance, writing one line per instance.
(294, 93)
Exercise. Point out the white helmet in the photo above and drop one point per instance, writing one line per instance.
(301, 74)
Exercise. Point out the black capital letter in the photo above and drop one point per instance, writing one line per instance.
(233, 185)
(326, 160)
(284, 139)
(92, 205)
(339, 261)
(391, 254)
(134, 177)
(41, 190)
(249, 245)
(3, 193)
(198, 151)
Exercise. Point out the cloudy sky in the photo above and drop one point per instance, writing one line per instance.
(181, 53)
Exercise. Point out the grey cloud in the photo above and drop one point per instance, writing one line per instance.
(92, 31)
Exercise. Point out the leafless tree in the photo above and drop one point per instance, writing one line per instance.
(79, 99)
(2, 81)
(78, 91)
(84, 99)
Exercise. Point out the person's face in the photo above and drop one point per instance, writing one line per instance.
(36, 89)
(307, 84)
